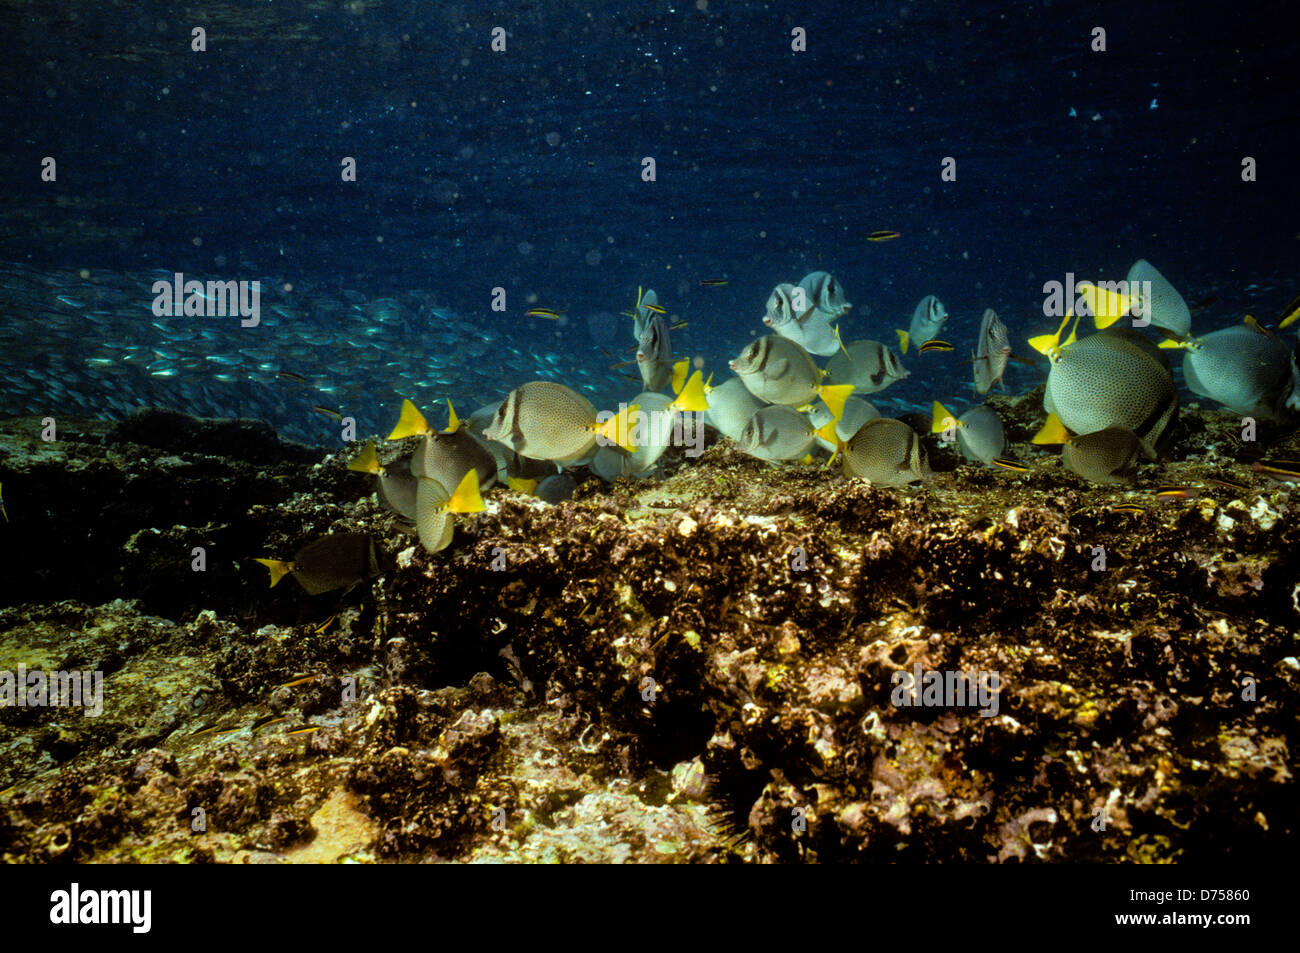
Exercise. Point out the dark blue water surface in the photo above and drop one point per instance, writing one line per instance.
(523, 169)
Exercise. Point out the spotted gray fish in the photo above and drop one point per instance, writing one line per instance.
(978, 432)
(549, 421)
(1106, 456)
(1114, 378)
(887, 452)
(336, 561)
(1248, 372)
(1165, 307)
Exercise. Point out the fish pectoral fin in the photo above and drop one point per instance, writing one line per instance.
(903, 339)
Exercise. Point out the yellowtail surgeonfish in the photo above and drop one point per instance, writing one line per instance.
(549, 421)
(1113, 378)
(1104, 456)
(335, 561)
(928, 319)
(435, 507)
(396, 485)
(779, 371)
(445, 455)
(887, 452)
(1247, 372)
(978, 432)
(868, 365)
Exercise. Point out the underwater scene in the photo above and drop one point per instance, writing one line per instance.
(664, 431)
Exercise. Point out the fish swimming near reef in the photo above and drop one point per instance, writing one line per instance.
(867, 365)
(992, 352)
(779, 371)
(978, 432)
(336, 561)
(549, 421)
(887, 452)
(928, 319)
(1113, 378)
(1247, 372)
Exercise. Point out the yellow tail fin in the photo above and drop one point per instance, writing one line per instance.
(453, 422)
(834, 396)
(526, 487)
(466, 499)
(680, 370)
(942, 420)
(1044, 343)
(278, 569)
(618, 429)
(411, 422)
(903, 338)
(1053, 431)
(1106, 306)
(367, 461)
(691, 396)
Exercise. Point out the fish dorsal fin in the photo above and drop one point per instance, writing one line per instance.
(903, 338)
(411, 422)
(453, 422)
(690, 397)
(466, 499)
(834, 396)
(679, 374)
(526, 487)
(278, 568)
(1053, 431)
(943, 421)
(367, 461)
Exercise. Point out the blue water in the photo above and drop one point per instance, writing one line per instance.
(522, 170)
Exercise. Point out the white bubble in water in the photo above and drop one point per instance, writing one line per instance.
(525, 248)
(593, 258)
(552, 139)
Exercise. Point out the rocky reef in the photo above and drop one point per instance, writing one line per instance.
(698, 668)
